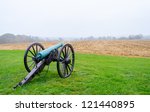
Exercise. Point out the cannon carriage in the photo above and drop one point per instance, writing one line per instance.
(36, 57)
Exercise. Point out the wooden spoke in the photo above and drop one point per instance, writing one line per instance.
(31, 64)
(31, 52)
(67, 51)
(66, 69)
(36, 49)
(63, 54)
(69, 68)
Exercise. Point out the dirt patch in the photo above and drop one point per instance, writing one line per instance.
(108, 47)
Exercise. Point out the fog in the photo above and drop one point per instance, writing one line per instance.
(75, 18)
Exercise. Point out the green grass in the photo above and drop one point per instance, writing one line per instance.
(93, 74)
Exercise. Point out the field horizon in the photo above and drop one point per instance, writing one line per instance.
(133, 48)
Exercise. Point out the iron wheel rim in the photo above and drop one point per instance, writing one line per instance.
(30, 55)
(65, 63)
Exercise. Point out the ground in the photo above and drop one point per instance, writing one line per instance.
(95, 72)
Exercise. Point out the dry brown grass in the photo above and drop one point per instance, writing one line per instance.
(114, 47)
(22, 46)
(106, 47)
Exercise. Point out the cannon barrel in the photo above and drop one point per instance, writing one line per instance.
(42, 54)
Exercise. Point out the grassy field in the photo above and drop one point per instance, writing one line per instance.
(93, 74)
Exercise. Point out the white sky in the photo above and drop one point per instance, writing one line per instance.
(75, 18)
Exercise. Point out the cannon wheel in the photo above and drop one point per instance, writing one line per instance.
(30, 55)
(65, 62)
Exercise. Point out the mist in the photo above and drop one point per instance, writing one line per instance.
(75, 18)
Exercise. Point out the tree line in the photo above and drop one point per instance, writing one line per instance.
(11, 38)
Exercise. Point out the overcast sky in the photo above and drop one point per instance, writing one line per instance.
(75, 18)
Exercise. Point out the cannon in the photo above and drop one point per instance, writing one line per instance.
(36, 57)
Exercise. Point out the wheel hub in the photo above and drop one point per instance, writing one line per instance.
(67, 61)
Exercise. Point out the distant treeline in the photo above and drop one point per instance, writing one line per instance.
(130, 37)
(11, 38)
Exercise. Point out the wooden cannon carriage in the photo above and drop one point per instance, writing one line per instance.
(36, 58)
